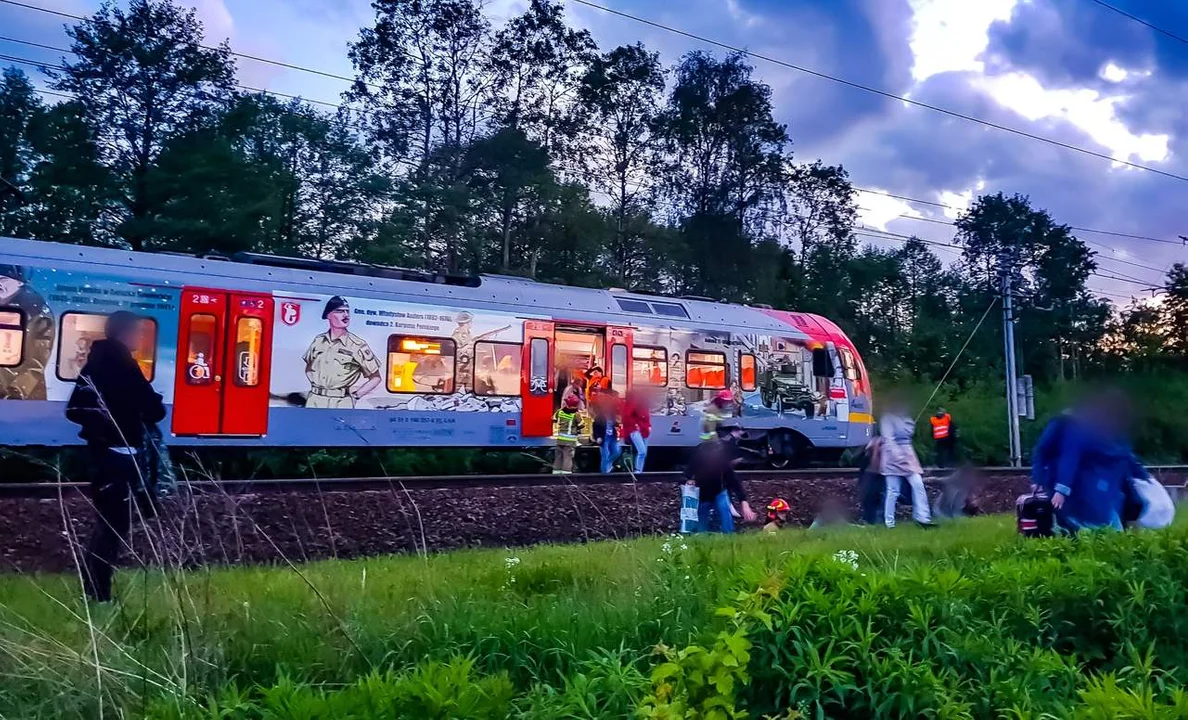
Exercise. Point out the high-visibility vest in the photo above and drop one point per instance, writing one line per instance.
(940, 426)
(566, 428)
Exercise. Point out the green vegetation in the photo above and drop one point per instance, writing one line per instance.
(965, 621)
(978, 408)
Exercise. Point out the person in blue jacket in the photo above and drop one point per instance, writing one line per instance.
(1089, 474)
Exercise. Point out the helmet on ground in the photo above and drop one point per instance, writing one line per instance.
(724, 396)
(779, 505)
(572, 402)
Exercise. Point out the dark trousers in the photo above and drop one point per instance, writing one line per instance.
(946, 452)
(112, 478)
(871, 489)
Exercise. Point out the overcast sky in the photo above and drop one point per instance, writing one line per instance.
(1069, 70)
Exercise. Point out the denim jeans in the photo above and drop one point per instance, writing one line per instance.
(719, 506)
(641, 450)
(920, 510)
(609, 450)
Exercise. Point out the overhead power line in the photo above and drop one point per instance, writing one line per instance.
(732, 48)
(1105, 258)
(933, 203)
(874, 90)
(1141, 21)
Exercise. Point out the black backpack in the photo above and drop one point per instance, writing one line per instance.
(1034, 515)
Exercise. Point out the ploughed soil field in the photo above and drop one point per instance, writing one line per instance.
(217, 527)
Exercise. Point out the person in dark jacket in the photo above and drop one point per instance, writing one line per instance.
(1094, 464)
(871, 483)
(712, 471)
(605, 430)
(112, 402)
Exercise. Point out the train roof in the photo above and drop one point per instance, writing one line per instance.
(495, 292)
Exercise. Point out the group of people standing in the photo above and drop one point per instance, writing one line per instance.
(615, 423)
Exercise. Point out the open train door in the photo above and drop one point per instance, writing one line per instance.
(536, 380)
(620, 342)
(221, 386)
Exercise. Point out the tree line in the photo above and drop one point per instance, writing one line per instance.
(527, 149)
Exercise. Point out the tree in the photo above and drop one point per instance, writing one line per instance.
(622, 93)
(330, 194)
(71, 195)
(536, 65)
(510, 176)
(723, 170)
(142, 78)
(20, 109)
(1175, 310)
(820, 212)
(1050, 269)
(420, 80)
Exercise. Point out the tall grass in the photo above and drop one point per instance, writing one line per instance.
(570, 631)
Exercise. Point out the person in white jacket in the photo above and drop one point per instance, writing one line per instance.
(898, 463)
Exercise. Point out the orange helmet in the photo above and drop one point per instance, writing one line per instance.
(724, 396)
(779, 505)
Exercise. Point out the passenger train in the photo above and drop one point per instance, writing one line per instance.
(272, 351)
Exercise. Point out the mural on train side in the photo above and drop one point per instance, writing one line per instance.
(63, 313)
(337, 352)
(767, 376)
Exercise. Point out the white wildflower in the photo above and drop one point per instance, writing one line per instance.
(847, 557)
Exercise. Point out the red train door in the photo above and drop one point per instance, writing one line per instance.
(223, 360)
(536, 380)
(620, 344)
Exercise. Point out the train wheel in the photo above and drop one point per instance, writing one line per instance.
(783, 451)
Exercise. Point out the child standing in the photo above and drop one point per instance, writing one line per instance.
(567, 426)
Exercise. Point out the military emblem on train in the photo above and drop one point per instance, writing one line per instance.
(341, 366)
(26, 337)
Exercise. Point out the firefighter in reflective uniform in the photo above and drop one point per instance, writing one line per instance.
(944, 434)
(566, 429)
(26, 381)
(339, 364)
(718, 410)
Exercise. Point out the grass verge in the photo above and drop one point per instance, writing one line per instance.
(964, 621)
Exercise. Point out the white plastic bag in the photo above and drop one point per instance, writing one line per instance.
(1158, 509)
(690, 499)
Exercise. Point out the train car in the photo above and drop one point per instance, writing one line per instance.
(271, 351)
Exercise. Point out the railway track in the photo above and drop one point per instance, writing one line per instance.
(1171, 475)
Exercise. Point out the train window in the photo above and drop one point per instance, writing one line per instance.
(670, 309)
(12, 337)
(80, 330)
(635, 306)
(849, 365)
(421, 365)
(746, 372)
(705, 370)
(649, 365)
(497, 368)
(618, 367)
(249, 336)
(538, 367)
(200, 350)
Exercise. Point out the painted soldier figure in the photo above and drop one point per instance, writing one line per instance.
(26, 381)
(464, 340)
(341, 367)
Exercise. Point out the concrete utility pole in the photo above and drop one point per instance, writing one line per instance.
(1012, 373)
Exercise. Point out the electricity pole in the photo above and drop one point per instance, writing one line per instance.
(1012, 374)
